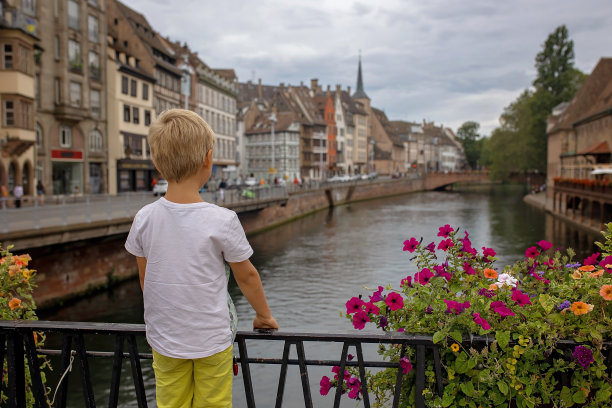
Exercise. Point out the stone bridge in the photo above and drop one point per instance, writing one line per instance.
(439, 181)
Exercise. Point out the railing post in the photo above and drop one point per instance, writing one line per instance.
(113, 398)
(15, 371)
(341, 375)
(283, 375)
(399, 379)
(66, 356)
(246, 372)
(419, 401)
(88, 393)
(38, 389)
(137, 372)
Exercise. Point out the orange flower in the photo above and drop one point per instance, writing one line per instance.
(493, 287)
(490, 273)
(12, 269)
(606, 292)
(580, 308)
(14, 302)
(577, 275)
(586, 268)
(596, 274)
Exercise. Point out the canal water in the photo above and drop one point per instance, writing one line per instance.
(312, 266)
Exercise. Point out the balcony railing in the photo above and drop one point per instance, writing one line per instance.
(17, 338)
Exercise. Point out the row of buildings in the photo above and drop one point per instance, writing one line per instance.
(82, 80)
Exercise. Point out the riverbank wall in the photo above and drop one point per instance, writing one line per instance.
(73, 270)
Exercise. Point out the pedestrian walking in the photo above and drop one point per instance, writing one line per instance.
(222, 187)
(40, 192)
(18, 194)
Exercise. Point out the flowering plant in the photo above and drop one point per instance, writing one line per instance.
(16, 303)
(526, 309)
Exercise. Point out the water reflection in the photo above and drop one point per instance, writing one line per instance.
(312, 266)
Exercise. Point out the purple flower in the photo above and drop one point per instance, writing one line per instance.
(411, 244)
(350, 357)
(481, 321)
(532, 252)
(591, 260)
(360, 319)
(574, 265)
(583, 356)
(486, 292)
(424, 276)
(383, 322)
(564, 305)
(445, 231)
(377, 296)
(354, 305)
(456, 307)
(371, 308)
(500, 308)
(354, 393)
(445, 244)
(325, 385)
(405, 364)
(394, 301)
(353, 382)
(429, 310)
(545, 245)
(520, 298)
(467, 268)
(407, 281)
(431, 247)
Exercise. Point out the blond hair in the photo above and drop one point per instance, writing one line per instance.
(179, 141)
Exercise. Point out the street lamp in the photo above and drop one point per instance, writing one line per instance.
(372, 143)
(273, 121)
(186, 79)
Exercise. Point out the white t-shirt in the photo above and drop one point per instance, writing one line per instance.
(185, 288)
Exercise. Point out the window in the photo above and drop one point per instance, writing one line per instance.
(95, 141)
(147, 121)
(133, 86)
(75, 94)
(94, 102)
(92, 28)
(145, 91)
(29, 7)
(65, 136)
(93, 2)
(124, 84)
(9, 113)
(136, 114)
(39, 136)
(73, 15)
(126, 113)
(7, 56)
(74, 55)
(57, 48)
(58, 91)
(25, 120)
(94, 65)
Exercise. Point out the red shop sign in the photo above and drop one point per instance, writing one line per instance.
(66, 154)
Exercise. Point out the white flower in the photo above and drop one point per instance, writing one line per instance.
(506, 279)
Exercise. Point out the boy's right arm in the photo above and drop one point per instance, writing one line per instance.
(142, 267)
(250, 285)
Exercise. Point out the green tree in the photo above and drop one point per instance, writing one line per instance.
(468, 135)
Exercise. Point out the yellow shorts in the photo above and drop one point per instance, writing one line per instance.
(202, 382)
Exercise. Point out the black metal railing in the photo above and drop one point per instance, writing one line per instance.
(18, 340)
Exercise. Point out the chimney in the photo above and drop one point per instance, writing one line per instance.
(301, 84)
(348, 90)
(282, 85)
(338, 89)
(314, 84)
(259, 90)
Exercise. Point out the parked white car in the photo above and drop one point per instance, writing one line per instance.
(250, 181)
(160, 187)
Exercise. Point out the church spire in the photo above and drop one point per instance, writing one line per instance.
(360, 93)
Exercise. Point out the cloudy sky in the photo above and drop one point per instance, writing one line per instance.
(446, 61)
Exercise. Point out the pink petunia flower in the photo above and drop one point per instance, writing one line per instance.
(336, 371)
(545, 245)
(532, 252)
(520, 298)
(424, 276)
(445, 231)
(354, 393)
(407, 281)
(445, 244)
(500, 308)
(441, 271)
(325, 385)
(606, 263)
(360, 319)
(488, 252)
(371, 308)
(456, 307)
(377, 295)
(467, 268)
(481, 321)
(354, 305)
(411, 244)
(592, 259)
(394, 301)
(431, 247)
(405, 364)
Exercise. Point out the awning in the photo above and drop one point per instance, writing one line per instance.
(602, 171)
(597, 148)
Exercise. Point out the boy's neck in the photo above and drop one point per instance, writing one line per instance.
(183, 192)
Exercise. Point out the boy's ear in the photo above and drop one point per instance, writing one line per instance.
(208, 159)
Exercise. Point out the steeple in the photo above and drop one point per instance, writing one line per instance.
(360, 93)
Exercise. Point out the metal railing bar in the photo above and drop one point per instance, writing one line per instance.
(362, 377)
(338, 395)
(113, 398)
(66, 356)
(398, 380)
(283, 375)
(246, 373)
(419, 383)
(38, 390)
(137, 372)
(304, 374)
(438, 370)
(88, 393)
(16, 382)
(95, 354)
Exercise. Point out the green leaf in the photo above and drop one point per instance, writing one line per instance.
(503, 387)
(467, 388)
(502, 337)
(546, 302)
(484, 375)
(579, 397)
(566, 396)
(461, 365)
(438, 336)
(456, 335)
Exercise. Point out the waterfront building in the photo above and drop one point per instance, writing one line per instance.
(327, 109)
(70, 76)
(361, 119)
(341, 159)
(387, 151)
(18, 93)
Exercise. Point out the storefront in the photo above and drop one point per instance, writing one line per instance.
(135, 175)
(67, 171)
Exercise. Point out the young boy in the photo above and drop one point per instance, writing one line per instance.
(180, 243)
